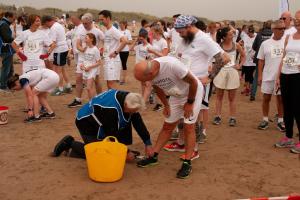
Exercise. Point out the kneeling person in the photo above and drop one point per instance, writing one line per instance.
(109, 114)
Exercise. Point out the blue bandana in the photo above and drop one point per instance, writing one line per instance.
(183, 21)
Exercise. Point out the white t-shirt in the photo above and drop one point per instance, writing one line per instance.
(291, 61)
(34, 44)
(112, 38)
(271, 52)
(81, 33)
(159, 45)
(290, 31)
(19, 29)
(90, 57)
(75, 35)
(197, 54)
(57, 34)
(248, 43)
(127, 34)
(141, 52)
(34, 76)
(170, 77)
(175, 37)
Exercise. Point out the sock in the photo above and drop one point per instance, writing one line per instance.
(69, 85)
(266, 119)
(180, 141)
(78, 99)
(187, 161)
(60, 89)
(196, 148)
(280, 119)
(204, 131)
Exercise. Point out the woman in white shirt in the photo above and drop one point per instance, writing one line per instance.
(289, 80)
(124, 53)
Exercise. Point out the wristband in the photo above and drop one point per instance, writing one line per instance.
(190, 101)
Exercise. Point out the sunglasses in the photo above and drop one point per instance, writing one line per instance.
(283, 18)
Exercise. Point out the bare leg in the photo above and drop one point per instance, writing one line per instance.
(232, 103)
(190, 140)
(65, 76)
(279, 106)
(219, 99)
(90, 88)
(111, 85)
(147, 90)
(266, 104)
(43, 101)
(79, 85)
(98, 85)
(164, 136)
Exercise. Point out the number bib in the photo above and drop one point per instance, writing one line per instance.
(291, 59)
(276, 52)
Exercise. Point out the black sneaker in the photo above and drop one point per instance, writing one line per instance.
(217, 120)
(147, 162)
(281, 126)
(33, 119)
(74, 104)
(48, 116)
(63, 145)
(263, 125)
(184, 171)
(252, 98)
(158, 107)
(232, 122)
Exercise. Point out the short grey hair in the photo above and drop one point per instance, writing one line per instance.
(135, 101)
(277, 23)
(87, 17)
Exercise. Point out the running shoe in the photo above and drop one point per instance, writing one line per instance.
(296, 148)
(48, 116)
(33, 119)
(63, 145)
(67, 90)
(174, 147)
(232, 122)
(281, 126)
(74, 104)
(158, 107)
(263, 125)
(43, 110)
(184, 171)
(217, 120)
(194, 156)
(285, 142)
(147, 162)
(57, 92)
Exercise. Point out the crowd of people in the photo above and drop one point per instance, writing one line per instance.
(178, 64)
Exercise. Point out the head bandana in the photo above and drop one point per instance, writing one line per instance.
(183, 21)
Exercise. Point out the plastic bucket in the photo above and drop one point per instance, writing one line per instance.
(106, 160)
(3, 115)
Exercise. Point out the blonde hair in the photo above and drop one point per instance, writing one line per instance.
(277, 23)
(135, 101)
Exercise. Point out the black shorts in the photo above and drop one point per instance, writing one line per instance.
(124, 56)
(60, 59)
(249, 71)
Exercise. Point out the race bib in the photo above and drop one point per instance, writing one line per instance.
(32, 46)
(276, 52)
(106, 52)
(174, 91)
(291, 59)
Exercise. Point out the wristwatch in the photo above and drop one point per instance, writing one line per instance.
(190, 101)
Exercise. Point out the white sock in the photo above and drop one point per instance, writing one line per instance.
(61, 89)
(280, 119)
(78, 99)
(69, 85)
(196, 148)
(266, 119)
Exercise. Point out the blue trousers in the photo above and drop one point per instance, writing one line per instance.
(6, 70)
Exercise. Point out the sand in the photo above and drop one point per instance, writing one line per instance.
(238, 162)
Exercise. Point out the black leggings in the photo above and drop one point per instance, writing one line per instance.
(249, 70)
(124, 56)
(88, 130)
(290, 93)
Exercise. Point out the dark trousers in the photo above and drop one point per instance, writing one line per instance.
(88, 130)
(290, 93)
(6, 70)
(254, 84)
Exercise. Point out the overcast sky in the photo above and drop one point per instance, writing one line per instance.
(211, 9)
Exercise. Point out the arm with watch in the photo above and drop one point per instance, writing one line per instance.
(189, 105)
(123, 42)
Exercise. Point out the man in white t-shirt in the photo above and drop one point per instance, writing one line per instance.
(58, 35)
(196, 49)
(114, 42)
(87, 27)
(269, 58)
(173, 37)
(170, 77)
(287, 19)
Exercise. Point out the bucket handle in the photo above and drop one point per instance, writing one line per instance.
(109, 139)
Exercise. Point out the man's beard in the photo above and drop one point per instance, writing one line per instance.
(188, 39)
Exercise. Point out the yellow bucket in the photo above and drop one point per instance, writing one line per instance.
(106, 160)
